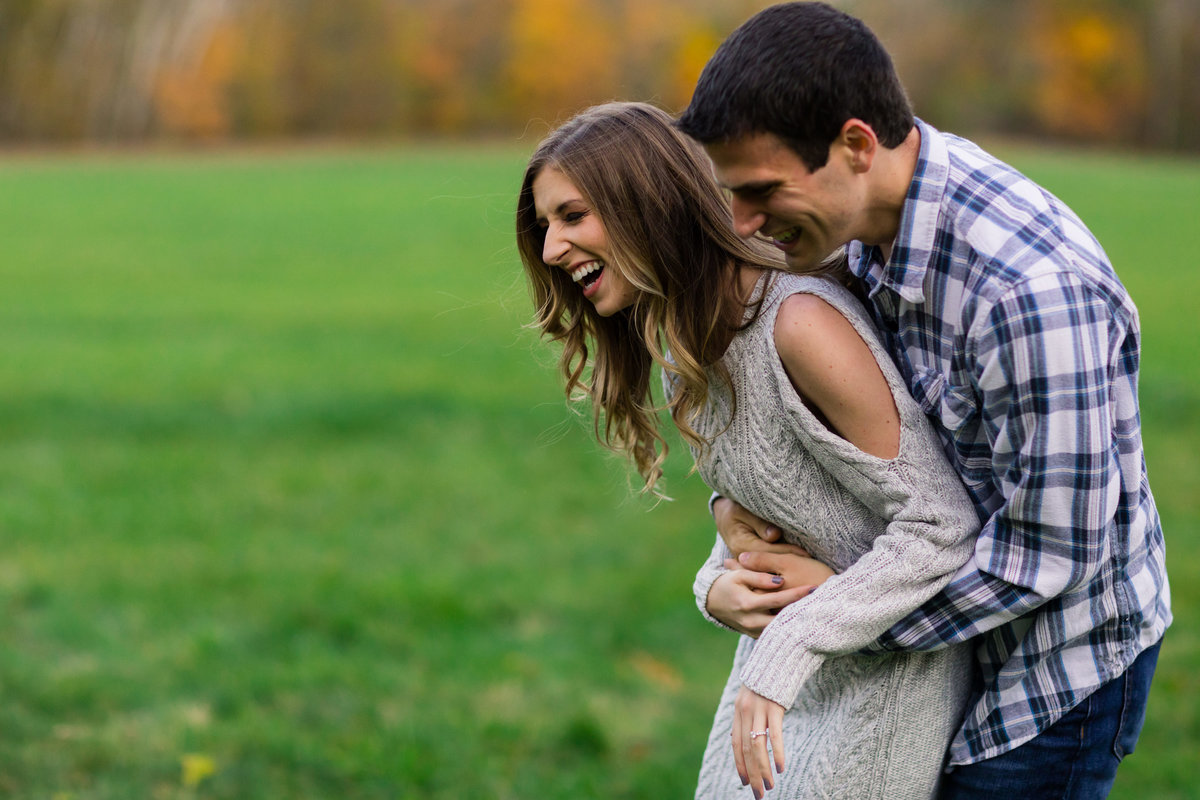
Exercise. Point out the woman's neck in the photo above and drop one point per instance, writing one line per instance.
(742, 290)
(747, 279)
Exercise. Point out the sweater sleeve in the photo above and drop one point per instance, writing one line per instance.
(712, 569)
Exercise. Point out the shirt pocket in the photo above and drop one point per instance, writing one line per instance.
(952, 406)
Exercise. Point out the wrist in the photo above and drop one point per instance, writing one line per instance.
(718, 506)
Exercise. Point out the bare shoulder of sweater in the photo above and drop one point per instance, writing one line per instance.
(835, 374)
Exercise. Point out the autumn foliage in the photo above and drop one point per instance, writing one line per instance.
(216, 70)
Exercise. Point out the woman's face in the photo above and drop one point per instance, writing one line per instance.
(577, 243)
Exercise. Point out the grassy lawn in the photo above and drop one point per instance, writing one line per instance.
(293, 506)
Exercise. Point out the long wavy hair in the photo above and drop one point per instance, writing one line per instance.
(670, 235)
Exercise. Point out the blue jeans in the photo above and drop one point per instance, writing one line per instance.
(1076, 758)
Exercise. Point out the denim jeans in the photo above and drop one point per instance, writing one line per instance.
(1076, 758)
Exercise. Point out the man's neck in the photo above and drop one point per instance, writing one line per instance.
(893, 172)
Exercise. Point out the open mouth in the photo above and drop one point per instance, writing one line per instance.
(588, 274)
(788, 236)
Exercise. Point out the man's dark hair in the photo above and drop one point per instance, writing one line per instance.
(799, 71)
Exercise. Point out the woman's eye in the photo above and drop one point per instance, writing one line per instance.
(574, 216)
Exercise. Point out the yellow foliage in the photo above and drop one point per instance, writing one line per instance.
(1091, 39)
(216, 70)
(564, 57)
(657, 672)
(1090, 83)
(190, 98)
(196, 767)
(695, 48)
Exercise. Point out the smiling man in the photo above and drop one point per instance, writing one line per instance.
(1017, 338)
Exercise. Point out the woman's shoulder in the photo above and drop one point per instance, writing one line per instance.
(808, 308)
(809, 330)
(828, 288)
(791, 295)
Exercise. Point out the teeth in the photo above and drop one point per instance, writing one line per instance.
(789, 235)
(586, 269)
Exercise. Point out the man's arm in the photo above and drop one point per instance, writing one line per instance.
(1044, 359)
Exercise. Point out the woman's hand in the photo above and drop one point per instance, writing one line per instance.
(758, 585)
(795, 570)
(752, 715)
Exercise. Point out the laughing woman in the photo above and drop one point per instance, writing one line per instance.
(791, 407)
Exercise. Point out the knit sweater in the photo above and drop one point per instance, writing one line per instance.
(895, 531)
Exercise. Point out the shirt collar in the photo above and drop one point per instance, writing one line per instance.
(916, 234)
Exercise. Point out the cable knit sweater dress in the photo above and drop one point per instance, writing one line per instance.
(857, 726)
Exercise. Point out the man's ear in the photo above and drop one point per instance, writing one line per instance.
(860, 143)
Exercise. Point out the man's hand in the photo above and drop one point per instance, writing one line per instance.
(743, 532)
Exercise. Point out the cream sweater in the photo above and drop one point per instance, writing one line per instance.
(858, 726)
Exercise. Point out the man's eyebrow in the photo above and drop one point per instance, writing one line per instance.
(752, 187)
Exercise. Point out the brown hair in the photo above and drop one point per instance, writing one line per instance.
(670, 235)
(799, 71)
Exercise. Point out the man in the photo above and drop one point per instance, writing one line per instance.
(1014, 333)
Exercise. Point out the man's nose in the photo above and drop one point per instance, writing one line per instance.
(747, 219)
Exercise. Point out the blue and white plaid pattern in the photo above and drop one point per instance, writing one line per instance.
(1018, 339)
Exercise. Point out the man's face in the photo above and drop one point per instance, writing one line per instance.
(806, 214)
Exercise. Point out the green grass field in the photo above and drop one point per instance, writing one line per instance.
(293, 507)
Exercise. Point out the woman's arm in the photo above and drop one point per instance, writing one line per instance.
(837, 378)
(931, 529)
(755, 588)
(836, 375)
(711, 571)
(745, 594)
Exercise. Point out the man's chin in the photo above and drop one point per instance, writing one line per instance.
(807, 263)
(801, 265)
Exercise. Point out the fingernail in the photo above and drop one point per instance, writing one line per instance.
(776, 579)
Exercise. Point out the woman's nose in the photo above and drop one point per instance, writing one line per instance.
(555, 248)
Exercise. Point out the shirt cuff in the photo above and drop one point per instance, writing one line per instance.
(712, 501)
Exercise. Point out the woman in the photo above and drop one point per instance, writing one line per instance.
(792, 408)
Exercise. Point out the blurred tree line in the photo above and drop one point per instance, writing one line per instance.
(1111, 71)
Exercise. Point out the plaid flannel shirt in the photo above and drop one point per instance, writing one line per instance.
(1014, 333)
